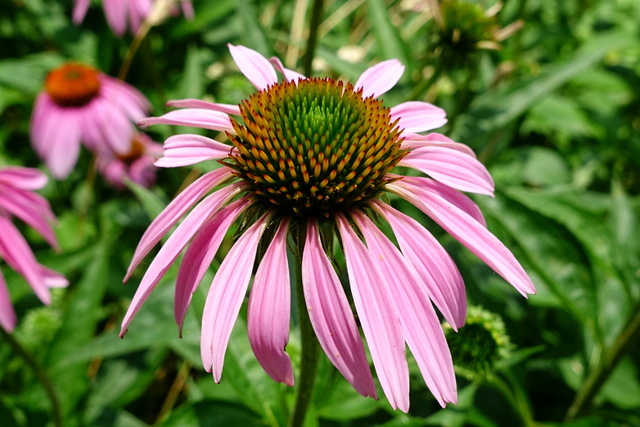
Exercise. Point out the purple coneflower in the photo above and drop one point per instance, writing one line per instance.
(137, 165)
(81, 104)
(18, 199)
(309, 162)
(121, 14)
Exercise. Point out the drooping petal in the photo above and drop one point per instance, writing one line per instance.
(174, 211)
(414, 140)
(469, 232)
(288, 74)
(200, 254)
(449, 194)
(419, 321)
(116, 14)
(23, 178)
(80, 8)
(30, 208)
(451, 167)
(15, 251)
(64, 145)
(269, 307)
(198, 103)
(256, 68)
(380, 78)
(331, 315)
(432, 264)
(194, 117)
(417, 116)
(378, 316)
(174, 245)
(187, 149)
(225, 297)
(7, 314)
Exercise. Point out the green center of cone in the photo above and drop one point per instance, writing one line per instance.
(314, 147)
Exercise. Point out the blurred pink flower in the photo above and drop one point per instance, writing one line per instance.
(18, 199)
(311, 159)
(136, 165)
(126, 13)
(82, 105)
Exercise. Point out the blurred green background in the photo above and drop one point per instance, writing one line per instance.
(546, 93)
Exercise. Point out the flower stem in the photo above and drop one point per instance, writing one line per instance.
(42, 375)
(316, 14)
(310, 348)
(598, 376)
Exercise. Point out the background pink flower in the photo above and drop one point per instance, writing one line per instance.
(18, 199)
(137, 165)
(82, 105)
(123, 14)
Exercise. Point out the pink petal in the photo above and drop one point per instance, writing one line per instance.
(30, 208)
(198, 103)
(414, 140)
(468, 231)
(417, 116)
(194, 117)
(80, 8)
(431, 262)
(15, 251)
(419, 321)
(269, 307)
(225, 297)
(174, 245)
(182, 150)
(116, 14)
(288, 74)
(174, 210)
(452, 196)
(7, 315)
(200, 254)
(451, 167)
(187, 9)
(23, 178)
(380, 78)
(64, 142)
(331, 315)
(378, 316)
(256, 68)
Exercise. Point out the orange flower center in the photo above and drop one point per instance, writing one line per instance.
(137, 150)
(72, 85)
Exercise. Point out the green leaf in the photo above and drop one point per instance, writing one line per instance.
(250, 29)
(27, 74)
(495, 109)
(211, 414)
(150, 202)
(390, 43)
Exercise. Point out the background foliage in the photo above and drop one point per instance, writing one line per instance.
(553, 114)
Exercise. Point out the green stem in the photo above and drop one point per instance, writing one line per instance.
(42, 375)
(598, 376)
(512, 397)
(316, 15)
(310, 347)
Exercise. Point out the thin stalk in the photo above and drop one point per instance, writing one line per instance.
(316, 14)
(310, 347)
(133, 49)
(598, 376)
(42, 375)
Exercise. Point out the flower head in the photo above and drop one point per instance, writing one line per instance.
(123, 14)
(136, 165)
(18, 199)
(310, 158)
(82, 105)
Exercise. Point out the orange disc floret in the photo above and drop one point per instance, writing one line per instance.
(72, 84)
